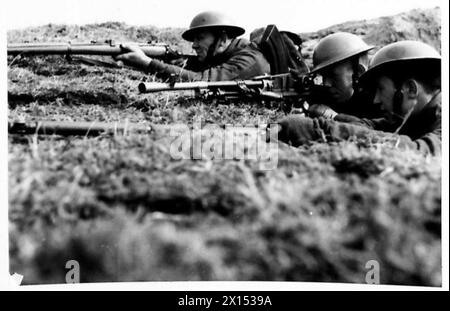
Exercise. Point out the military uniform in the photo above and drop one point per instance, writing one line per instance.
(421, 132)
(241, 60)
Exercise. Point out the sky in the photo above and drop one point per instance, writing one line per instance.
(293, 15)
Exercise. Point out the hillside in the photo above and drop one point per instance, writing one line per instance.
(420, 24)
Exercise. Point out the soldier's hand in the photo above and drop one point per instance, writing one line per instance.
(133, 56)
(319, 94)
(295, 130)
(345, 118)
(319, 110)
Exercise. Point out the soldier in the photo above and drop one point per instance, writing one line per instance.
(406, 79)
(220, 54)
(340, 59)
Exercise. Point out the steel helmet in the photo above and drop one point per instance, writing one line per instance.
(337, 47)
(212, 20)
(402, 51)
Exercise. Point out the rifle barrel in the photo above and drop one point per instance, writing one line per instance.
(151, 50)
(152, 87)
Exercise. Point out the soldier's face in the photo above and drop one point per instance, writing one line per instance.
(384, 96)
(202, 43)
(412, 97)
(339, 79)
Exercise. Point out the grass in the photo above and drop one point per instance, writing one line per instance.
(127, 211)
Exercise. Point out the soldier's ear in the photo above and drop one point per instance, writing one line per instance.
(364, 61)
(361, 69)
(411, 88)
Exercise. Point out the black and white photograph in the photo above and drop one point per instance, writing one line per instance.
(270, 142)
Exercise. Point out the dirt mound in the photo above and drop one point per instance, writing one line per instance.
(419, 24)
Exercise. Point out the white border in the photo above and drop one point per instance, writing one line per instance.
(211, 286)
(445, 144)
(4, 249)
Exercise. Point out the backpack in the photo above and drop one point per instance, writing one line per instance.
(282, 49)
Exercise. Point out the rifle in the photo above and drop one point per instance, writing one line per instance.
(291, 91)
(84, 128)
(108, 48)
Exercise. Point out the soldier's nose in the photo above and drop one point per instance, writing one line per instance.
(376, 99)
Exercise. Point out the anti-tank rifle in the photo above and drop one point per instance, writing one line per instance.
(289, 91)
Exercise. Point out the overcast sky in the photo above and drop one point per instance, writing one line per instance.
(294, 15)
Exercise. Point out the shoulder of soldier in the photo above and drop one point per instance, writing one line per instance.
(247, 50)
(246, 47)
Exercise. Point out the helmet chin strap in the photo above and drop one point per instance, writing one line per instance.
(212, 48)
(358, 70)
(398, 100)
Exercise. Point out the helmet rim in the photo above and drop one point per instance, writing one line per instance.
(233, 31)
(388, 52)
(336, 60)
(337, 47)
(210, 20)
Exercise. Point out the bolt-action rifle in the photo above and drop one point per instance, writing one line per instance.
(73, 128)
(84, 128)
(286, 89)
(108, 48)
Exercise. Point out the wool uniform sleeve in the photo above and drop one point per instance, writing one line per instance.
(166, 70)
(297, 130)
(429, 144)
(244, 65)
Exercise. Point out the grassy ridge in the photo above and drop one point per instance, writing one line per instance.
(127, 211)
(320, 216)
